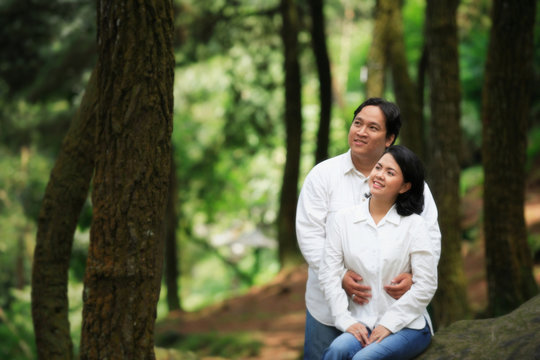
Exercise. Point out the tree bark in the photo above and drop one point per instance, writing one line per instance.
(387, 51)
(318, 37)
(506, 105)
(133, 145)
(450, 301)
(288, 250)
(62, 203)
(405, 89)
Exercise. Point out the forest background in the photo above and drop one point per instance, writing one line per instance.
(229, 138)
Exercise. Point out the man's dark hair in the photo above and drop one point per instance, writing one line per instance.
(391, 113)
(412, 201)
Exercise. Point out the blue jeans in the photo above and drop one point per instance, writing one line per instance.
(317, 338)
(403, 345)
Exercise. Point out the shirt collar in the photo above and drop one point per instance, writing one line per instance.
(362, 214)
(347, 165)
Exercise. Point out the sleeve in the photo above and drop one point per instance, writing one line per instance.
(424, 268)
(311, 214)
(430, 216)
(330, 274)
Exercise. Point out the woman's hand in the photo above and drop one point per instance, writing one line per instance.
(360, 294)
(360, 332)
(378, 334)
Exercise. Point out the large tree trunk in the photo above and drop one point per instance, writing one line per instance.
(388, 51)
(171, 250)
(64, 198)
(450, 301)
(125, 258)
(325, 78)
(507, 94)
(288, 251)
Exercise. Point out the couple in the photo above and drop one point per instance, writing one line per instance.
(359, 230)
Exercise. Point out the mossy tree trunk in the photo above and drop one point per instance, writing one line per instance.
(63, 200)
(450, 301)
(387, 52)
(132, 168)
(318, 36)
(506, 104)
(288, 250)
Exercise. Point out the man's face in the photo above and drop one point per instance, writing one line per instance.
(367, 135)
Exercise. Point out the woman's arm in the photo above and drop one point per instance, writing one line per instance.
(424, 268)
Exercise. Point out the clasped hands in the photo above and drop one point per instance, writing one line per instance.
(360, 332)
(362, 293)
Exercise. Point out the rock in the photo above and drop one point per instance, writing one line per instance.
(512, 336)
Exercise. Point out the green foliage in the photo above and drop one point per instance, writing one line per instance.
(471, 177)
(16, 329)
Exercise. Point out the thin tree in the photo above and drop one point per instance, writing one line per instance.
(133, 144)
(171, 272)
(318, 37)
(387, 52)
(450, 301)
(288, 250)
(63, 200)
(506, 105)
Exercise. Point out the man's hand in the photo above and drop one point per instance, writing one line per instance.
(399, 286)
(379, 333)
(360, 294)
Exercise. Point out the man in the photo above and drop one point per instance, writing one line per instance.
(338, 183)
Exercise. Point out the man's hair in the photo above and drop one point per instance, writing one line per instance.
(411, 201)
(391, 113)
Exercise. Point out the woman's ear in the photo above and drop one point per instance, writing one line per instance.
(405, 187)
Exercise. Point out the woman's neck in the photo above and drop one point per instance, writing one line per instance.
(378, 208)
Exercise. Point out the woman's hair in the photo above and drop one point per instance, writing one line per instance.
(411, 201)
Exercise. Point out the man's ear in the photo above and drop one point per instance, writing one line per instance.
(390, 140)
(405, 187)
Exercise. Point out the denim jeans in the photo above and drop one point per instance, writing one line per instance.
(317, 338)
(403, 345)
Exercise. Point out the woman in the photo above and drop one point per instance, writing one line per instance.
(382, 237)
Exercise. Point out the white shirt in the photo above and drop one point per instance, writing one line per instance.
(332, 185)
(379, 252)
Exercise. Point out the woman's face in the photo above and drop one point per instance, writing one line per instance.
(386, 179)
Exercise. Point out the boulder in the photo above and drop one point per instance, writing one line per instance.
(512, 336)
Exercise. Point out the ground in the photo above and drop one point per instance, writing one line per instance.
(275, 313)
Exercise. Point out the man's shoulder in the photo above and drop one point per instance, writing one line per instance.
(333, 163)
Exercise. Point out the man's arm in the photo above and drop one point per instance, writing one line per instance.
(311, 213)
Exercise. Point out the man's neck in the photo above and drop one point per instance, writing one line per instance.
(363, 164)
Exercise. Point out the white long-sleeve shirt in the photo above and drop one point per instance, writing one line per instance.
(330, 186)
(379, 252)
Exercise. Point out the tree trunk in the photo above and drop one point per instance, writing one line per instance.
(171, 252)
(405, 89)
(388, 50)
(450, 301)
(133, 144)
(62, 203)
(288, 250)
(377, 57)
(507, 94)
(325, 78)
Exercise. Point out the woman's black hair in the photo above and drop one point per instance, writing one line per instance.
(411, 201)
